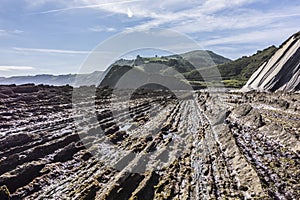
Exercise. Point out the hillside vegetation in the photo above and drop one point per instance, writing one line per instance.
(192, 65)
(237, 72)
(189, 67)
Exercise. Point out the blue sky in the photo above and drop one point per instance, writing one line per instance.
(56, 36)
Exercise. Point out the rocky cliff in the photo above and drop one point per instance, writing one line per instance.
(281, 72)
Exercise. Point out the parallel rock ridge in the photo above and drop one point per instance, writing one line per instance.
(281, 72)
(160, 148)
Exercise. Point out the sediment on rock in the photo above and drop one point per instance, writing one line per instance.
(213, 146)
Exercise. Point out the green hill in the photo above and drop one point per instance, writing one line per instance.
(244, 67)
(237, 72)
(200, 58)
(191, 66)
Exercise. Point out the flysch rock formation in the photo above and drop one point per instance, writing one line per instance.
(281, 72)
(253, 152)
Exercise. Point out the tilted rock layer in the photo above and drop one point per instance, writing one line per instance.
(160, 148)
(281, 72)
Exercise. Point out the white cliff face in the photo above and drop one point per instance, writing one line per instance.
(281, 72)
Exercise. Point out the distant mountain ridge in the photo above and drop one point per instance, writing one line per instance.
(195, 63)
(204, 58)
(190, 65)
(165, 67)
(57, 80)
(199, 58)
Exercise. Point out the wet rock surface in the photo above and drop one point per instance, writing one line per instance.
(213, 146)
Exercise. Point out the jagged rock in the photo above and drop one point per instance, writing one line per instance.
(283, 104)
(22, 175)
(86, 156)
(15, 140)
(118, 136)
(4, 193)
(242, 110)
(281, 72)
(6, 90)
(3, 96)
(27, 88)
(28, 98)
(253, 119)
(249, 116)
(166, 127)
(67, 152)
(221, 118)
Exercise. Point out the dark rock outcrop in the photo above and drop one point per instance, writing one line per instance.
(27, 88)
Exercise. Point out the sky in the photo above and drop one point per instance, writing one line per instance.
(56, 36)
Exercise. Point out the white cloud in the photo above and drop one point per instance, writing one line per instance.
(80, 4)
(56, 51)
(17, 31)
(102, 29)
(10, 68)
(38, 3)
(186, 16)
(266, 35)
(4, 32)
(231, 20)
